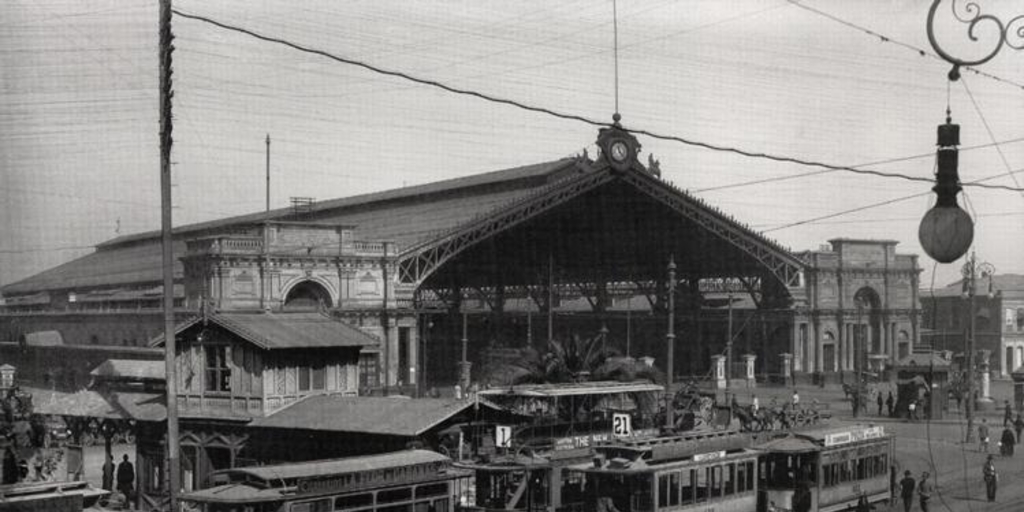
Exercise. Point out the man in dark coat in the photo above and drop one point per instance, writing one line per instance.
(1018, 425)
(890, 404)
(907, 490)
(880, 402)
(924, 491)
(126, 480)
(1008, 415)
(1006, 442)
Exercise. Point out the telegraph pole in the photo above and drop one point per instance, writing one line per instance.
(670, 342)
(728, 351)
(166, 127)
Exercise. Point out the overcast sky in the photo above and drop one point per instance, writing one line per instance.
(78, 110)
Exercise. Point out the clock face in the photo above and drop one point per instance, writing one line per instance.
(619, 151)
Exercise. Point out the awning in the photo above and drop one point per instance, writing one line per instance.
(94, 404)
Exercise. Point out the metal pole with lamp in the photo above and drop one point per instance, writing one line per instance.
(971, 271)
(670, 342)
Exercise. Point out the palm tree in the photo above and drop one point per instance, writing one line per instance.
(574, 360)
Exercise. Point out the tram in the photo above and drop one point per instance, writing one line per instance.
(404, 481)
(710, 471)
(528, 470)
(836, 465)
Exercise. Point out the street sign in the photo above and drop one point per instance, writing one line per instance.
(622, 425)
(503, 436)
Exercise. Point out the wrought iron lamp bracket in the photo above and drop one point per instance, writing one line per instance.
(1009, 33)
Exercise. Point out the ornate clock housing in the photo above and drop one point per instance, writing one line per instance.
(618, 148)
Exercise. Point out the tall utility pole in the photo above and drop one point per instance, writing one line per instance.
(971, 271)
(670, 342)
(728, 350)
(265, 269)
(166, 127)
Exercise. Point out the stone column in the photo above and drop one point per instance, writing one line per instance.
(749, 359)
(719, 364)
(787, 367)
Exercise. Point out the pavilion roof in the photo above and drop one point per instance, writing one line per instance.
(273, 331)
(395, 416)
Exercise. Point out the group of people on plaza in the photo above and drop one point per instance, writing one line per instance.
(125, 474)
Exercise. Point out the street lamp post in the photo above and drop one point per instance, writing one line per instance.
(858, 357)
(971, 271)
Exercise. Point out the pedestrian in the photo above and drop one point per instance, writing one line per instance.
(912, 410)
(924, 491)
(1018, 425)
(983, 436)
(991, 478)
(754, 405)
(1007, 415)
(1006, 442)
(126, 480)
(959, 399)
(796, 399)
(890, 403)
(880, 402)
(907, 490)
(802, 498)
(108, 473)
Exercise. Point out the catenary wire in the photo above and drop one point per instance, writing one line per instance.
(572, 117)
(886, 39)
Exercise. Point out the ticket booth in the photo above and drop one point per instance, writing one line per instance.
(923, 376)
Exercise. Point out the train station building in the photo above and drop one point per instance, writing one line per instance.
(443, 279)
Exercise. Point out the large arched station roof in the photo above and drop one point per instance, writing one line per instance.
(582, 220)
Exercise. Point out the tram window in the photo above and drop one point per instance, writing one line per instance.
(662, 490)
(729, 479)
(312, 506)
(353, 501)
(424, 491)
(716, 481)
(393, 495)
(668, 489)
(702, 484)
(741, 477)
(750, 475)
(687, 486)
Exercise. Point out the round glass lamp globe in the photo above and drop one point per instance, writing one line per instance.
(946, 233)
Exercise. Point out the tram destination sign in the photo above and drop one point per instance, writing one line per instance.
(704, 457)
(854, 435)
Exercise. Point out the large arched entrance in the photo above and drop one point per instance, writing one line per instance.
(307, 295)
(867, 336)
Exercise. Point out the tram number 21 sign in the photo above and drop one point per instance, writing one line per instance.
(622, 425)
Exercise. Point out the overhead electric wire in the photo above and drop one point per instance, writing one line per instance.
(562, 115)
(875, 205)
(826, 171)
(991, 135)
(886, 39)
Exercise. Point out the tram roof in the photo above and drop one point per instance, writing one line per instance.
(274, 475)
(818, 438)
(573, 389)
(235, 493)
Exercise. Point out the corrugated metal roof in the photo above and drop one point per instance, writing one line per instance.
(321, 468)
(573, 389)
(364, 414)
(273, 331)
(405, 215)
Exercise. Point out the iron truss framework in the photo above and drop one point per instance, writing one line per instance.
(420, 261)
